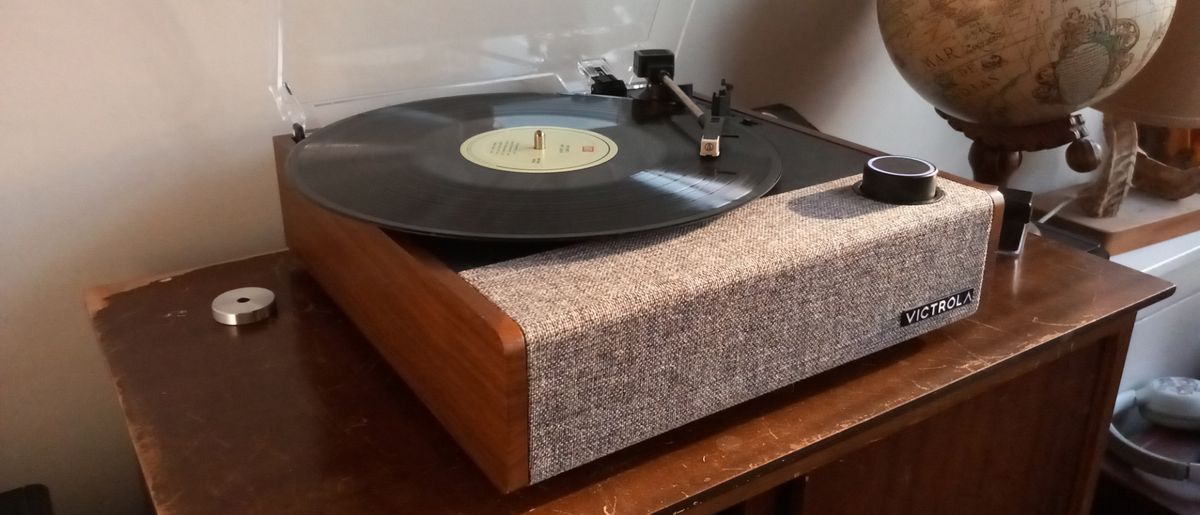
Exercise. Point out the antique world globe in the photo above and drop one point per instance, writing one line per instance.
(1020, 62)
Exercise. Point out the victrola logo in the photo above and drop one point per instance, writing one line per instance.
(937, 307)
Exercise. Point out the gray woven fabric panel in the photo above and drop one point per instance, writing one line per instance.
(631, 337)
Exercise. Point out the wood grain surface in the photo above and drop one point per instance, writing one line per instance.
(462, 355)
(1143, 219)
(976, 456)
(300, 414)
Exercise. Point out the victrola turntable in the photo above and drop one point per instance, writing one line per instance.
(563, 253)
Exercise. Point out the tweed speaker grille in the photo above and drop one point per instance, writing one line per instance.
(630, 337)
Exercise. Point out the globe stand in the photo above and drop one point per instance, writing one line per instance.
(996, 152)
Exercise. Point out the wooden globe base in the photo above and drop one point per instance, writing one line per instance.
(996, 151)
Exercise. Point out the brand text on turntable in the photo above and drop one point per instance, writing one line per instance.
(937, 307)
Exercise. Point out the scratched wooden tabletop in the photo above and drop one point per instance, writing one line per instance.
(299, 414)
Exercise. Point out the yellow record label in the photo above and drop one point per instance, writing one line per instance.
(514, 149)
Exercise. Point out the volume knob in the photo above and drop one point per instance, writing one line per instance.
(899, 180)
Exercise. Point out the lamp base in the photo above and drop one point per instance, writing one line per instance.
(1165, 181)
(1168, 163)
(1160, 161)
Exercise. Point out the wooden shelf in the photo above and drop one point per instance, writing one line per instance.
(1142, 221)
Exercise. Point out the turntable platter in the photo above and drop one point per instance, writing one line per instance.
(528, 167)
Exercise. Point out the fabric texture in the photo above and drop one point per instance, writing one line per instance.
(630, 337)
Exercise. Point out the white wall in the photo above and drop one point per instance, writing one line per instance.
(134, 137)
(133, 140)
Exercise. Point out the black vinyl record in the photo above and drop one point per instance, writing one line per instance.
(403, 167)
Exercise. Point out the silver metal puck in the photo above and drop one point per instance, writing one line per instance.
(243, 306)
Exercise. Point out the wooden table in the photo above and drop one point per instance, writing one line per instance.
(1001, 413)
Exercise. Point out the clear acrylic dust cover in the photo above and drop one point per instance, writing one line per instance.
(337, 59)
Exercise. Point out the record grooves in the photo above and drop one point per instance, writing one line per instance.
(403, 167)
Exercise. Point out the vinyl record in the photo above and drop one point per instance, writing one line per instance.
(468, 167)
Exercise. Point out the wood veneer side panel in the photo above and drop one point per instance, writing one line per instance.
(456, 350)
(899, 419)
(1102, 403)
(1022, 447)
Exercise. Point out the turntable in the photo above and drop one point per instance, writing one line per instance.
(563, 252)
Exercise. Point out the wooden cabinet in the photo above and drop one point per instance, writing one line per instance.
(1003, 412)
(1016, 447)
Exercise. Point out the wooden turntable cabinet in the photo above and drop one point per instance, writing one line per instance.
(461, 353)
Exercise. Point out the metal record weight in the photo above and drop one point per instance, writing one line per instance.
(243, 306)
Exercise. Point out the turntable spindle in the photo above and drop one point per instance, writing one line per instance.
(539, 140)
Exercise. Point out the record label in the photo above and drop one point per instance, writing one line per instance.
(514, 149)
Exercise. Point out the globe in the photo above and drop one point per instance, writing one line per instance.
(1020, 62)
